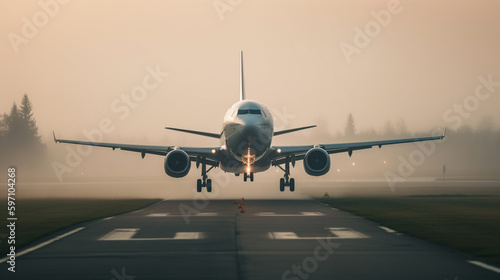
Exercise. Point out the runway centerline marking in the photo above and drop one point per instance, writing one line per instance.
(43, 244)
(127, 234)
(207, 214)
(338, 232)
(302, 214)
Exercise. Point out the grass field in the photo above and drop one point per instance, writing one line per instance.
(40, 217)
(470, 224)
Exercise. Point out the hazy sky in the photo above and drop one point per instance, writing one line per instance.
(80, 61)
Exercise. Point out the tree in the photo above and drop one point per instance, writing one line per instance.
(389, 129)
(30, 130)
(13, 123)
(350, 127)
(486, 124)
(20, 133)
(3, 131)
(401, 127)
(20, 144)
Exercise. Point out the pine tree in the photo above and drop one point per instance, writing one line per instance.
(350, 127)
(402, 128)
(389, 130)
(21, 131)
(30, 130)
(13, 122)
(3, 133)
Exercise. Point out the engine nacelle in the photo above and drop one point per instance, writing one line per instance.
(317, 162)
(177, 164)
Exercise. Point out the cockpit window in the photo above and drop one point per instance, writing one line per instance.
(249, 111)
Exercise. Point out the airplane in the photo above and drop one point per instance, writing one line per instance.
(246, 147)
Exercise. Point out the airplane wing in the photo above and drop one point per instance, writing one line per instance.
(202, 133)
(212, 154)
(276, 133)
(279, 153)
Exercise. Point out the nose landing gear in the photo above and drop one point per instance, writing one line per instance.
(246, 177)
(248, 160)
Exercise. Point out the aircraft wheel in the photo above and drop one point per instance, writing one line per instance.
(209, 185)
(251, 177)
(282, 184)
(292, 184)
(245, 177)
(198, 185)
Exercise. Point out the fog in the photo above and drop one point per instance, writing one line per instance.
(120, 71)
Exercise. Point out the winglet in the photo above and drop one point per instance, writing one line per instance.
(242, 84)
(54, 135)
(444, 133)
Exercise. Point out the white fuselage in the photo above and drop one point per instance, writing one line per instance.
(247, 133)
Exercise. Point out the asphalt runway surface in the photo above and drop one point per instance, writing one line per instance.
(273, 239)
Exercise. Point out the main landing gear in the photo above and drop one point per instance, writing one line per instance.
(203, 182)
(286, 181)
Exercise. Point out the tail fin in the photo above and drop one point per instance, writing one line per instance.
(242, 84)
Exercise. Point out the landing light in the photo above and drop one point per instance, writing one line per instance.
(353, 163)
(279, 151)
(248, 170)
(213, 151)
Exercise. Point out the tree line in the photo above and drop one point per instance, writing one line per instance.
(20, 143)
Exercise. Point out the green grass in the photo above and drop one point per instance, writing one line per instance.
(468, 224)
(39, 217)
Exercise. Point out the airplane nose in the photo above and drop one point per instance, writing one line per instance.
(250, 125)
(250, 120)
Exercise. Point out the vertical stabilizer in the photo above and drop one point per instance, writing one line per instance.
(242, 83)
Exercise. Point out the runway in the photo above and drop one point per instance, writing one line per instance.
(273, 239)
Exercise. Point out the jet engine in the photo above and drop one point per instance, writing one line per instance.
(177, 164)
(317, 162)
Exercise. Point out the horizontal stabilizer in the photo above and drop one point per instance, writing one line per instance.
(292, 130)
(206, 134)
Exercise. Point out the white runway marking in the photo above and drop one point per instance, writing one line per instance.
(207, 214)
(108, 218)
(486, 266)
(127, 234)
(43, 244)
(272, 214)
(157, 215)
(338, 232)
(390, 230)
(346, 233)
